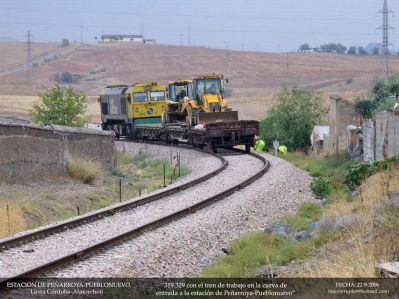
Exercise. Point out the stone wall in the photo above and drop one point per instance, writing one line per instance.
(31, 153)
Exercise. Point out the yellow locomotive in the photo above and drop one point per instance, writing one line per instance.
(124, 106)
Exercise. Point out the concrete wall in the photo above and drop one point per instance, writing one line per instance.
(381, 135)
(381, 138)
(31, 153)
(341, 115)
(393, 134)
(368, 141)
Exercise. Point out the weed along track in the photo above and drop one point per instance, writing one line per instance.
(44, 250)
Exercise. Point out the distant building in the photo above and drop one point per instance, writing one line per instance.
(112, 38)
(150, 41)
(311, 50)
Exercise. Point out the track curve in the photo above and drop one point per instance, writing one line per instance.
(151, 225)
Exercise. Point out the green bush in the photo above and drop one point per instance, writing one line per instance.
(60, 106)
(320, 187)
(292, 118)
(357, 173)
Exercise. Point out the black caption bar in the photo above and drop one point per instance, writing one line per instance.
(200, 288)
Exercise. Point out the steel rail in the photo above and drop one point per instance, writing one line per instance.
(42, 233)
(91, 250)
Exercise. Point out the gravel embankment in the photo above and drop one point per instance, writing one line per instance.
(17, 260)
(184, 247)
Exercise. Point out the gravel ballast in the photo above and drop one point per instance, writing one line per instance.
(33, 254)
(184, 247)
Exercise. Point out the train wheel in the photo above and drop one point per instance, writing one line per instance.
(247, 148)
(214, 147)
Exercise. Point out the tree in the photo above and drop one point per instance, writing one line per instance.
(292, 119)
(365, 108)
(361, 51)
(333, 48)
(304, 47)
(65, 42)
(376, 51)
(60, 106)
(328, 48)
(380, 91)
(341, 49)
(352, 50)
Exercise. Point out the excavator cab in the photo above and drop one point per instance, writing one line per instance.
(209, 103)
(180, 89)
(199, 101)
(179, 94)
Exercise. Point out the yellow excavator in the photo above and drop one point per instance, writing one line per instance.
(199, 101)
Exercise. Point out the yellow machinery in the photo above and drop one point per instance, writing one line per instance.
(179, 94)
(199, 101)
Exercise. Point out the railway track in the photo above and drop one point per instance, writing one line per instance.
(136, 231)
(42, 233)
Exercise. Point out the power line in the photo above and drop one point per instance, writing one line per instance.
(385, 36)
(252, 17)
(181, 39)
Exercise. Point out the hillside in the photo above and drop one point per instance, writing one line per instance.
(254, 77)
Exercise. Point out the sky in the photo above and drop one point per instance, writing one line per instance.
(256, 25)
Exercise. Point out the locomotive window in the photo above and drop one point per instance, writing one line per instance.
(139, 97)
(172, 92)
(157, 96)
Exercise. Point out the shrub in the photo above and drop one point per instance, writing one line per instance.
(60, 106)
(365, 108)
(85, 171)
(357, 173)
(320, 187)
(292, 119)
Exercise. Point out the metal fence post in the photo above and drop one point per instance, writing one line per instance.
(276, 144)
(164, 175)
(120, 189)
(8, 219)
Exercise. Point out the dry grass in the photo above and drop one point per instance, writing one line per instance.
(361, 248)
(11, 222)
(85, 171)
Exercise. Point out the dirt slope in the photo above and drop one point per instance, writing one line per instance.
(254, 77)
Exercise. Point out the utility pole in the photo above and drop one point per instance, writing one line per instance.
(181, 39)
(28, 60)
(287, 62)
(385, 37)
(142, 30)
(188, 35)
(227, 56)
(81, 34)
